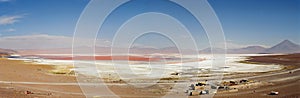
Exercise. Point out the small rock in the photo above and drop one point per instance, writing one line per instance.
(28, 92)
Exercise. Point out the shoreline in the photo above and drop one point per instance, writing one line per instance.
(285, 81)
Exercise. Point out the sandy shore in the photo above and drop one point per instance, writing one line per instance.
(18, 77)
(16, 72)
(285, 81)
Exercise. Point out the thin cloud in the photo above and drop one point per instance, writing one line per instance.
(5, 1)
(5, 20)
(44, 41)
(9, 30)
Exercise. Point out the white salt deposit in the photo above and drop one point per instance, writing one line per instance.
(145, 68)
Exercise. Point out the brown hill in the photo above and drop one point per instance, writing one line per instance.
(7, 51)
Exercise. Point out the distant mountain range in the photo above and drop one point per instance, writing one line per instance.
(7, 51)
(246, 50)
(284, 47)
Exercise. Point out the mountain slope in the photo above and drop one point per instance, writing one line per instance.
(7, 51)
(247, 50)
(285, 46)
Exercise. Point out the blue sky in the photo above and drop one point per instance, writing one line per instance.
(54, 17)
(259, 21)
(245, 22)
